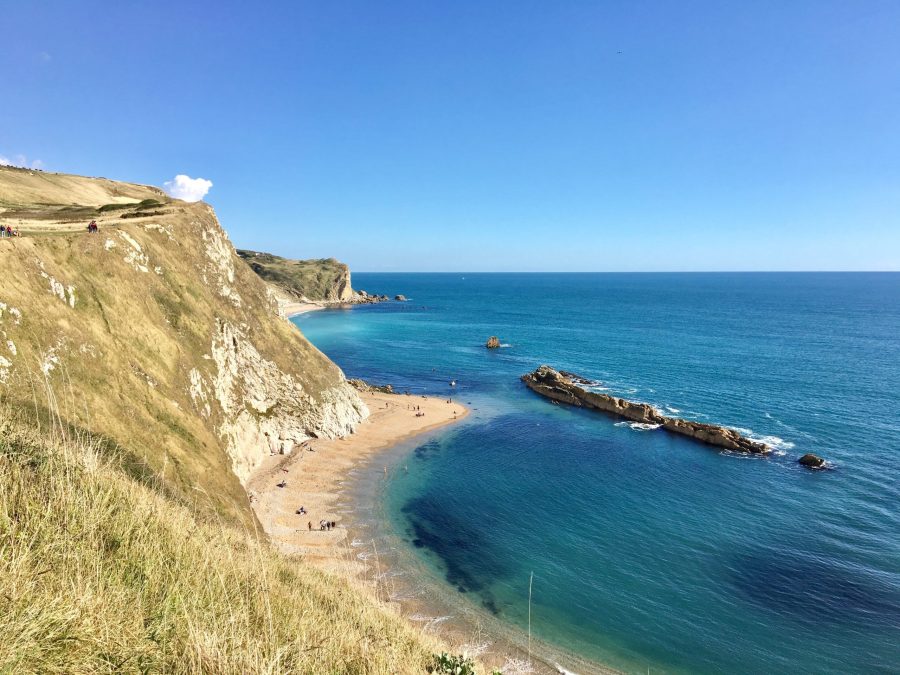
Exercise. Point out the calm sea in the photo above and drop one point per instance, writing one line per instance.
(648, 550)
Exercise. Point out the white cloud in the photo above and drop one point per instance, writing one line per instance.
(20, 161)
(187, 188)
(45, 57)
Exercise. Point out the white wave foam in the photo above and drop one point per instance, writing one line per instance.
(504, 345)
(436, 621)
(400, 597)
(638, 426)
(365, 555)
(474, 650)
(357, 542)
(513, 666)
(775, 442)
(672, 410)
(563, 671)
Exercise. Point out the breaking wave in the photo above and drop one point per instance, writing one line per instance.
(638, 426)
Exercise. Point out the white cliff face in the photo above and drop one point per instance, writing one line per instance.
(265, 410)
(343, 289)
(221, 253)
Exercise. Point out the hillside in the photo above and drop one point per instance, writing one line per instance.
(101, 573)
(325, 280)
(154, 335)
(144, 372)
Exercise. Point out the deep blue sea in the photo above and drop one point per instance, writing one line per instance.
(651, 551)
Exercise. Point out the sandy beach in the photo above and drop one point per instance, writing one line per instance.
(312, 477)
(294, 308)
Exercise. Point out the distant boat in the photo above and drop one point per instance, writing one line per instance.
(452, 383)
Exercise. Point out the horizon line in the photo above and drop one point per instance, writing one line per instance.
(897, 271)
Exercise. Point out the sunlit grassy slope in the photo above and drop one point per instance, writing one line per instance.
(102, 573)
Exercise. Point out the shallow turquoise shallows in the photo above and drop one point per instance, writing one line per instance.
(648, 550)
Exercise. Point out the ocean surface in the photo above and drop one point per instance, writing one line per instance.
(651, 551)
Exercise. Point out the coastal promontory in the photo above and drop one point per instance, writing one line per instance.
(574, 390)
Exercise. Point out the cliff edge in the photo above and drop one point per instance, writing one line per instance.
(324, 280)
(153, 333)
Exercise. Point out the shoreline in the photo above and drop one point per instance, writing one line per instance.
(324, 481)
(314, 478)
(297, 308)
(394, 574)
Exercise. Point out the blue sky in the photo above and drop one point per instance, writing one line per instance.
(494, 136)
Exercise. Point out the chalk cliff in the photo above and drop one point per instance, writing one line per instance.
(155, 334)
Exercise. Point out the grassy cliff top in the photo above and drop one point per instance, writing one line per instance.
(323, 279)
(153, 334)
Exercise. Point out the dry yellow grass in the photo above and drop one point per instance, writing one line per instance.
(100, 573)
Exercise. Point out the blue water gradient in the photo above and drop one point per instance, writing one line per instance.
(650, 550)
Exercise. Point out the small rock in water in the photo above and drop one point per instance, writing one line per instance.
(400, 298)
(493, 342)
(811, 461)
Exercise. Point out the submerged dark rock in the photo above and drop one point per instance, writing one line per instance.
(566, 388)
(811, 461)
(493, 342)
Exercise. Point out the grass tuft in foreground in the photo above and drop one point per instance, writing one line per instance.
(100, 573)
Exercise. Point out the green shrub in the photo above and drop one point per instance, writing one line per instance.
(449, 664)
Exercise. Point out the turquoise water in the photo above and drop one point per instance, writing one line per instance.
(648, 550)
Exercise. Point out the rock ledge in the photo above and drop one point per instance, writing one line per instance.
(565, 388)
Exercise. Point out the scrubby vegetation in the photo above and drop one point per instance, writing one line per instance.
(101, 573)
(321, 279)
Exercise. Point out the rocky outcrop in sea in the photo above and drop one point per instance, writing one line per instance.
(569, 388)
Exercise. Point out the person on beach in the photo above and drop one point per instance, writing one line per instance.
(334, 523)
(309, 525)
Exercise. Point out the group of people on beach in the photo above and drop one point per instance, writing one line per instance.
(8, 231)
(92, 227)
(323, 525)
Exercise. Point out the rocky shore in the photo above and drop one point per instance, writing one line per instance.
(568, 388)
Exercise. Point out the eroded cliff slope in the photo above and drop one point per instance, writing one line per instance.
(325, 280)
(155, 334)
